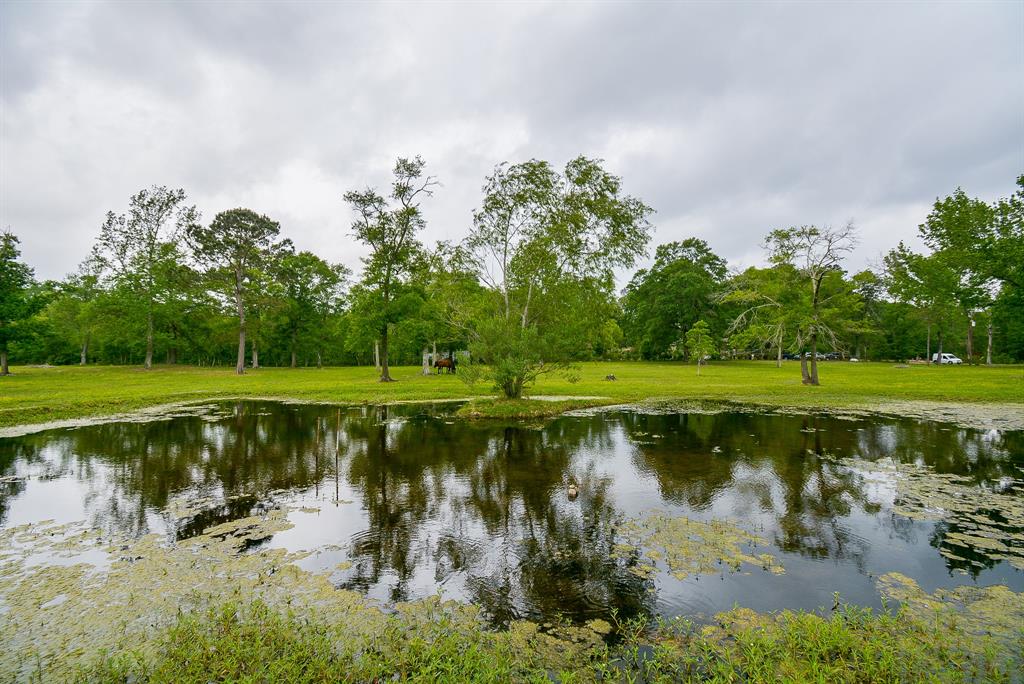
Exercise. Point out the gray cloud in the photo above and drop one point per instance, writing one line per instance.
(728, 118)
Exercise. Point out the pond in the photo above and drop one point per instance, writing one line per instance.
(571, 519)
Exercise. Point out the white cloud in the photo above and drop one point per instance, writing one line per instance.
(729, 119)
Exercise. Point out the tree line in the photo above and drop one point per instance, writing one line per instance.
(529, 290)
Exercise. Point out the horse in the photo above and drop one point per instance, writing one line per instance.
(445, 364)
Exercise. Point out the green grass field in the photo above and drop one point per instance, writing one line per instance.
(33, 395)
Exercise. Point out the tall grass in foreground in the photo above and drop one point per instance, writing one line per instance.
(253, 643)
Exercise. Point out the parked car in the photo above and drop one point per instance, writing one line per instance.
(947, 358)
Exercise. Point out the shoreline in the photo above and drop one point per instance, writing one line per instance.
(968, 415)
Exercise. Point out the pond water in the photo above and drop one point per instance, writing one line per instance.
(405, 502)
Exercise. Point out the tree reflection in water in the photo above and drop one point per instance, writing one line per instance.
(480, 509)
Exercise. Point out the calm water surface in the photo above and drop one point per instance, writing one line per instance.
(420, 504)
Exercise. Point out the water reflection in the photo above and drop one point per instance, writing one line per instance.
(480, 512)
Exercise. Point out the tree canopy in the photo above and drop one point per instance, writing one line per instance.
(545, 245)
(662, 303)
(384, 295)
(530, 289)
(16, 301)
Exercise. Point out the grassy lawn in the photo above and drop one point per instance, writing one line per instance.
(33, 395)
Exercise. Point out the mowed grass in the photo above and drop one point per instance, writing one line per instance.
(33, 395)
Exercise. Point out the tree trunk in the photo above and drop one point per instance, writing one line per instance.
(426, 362)
(778, 357)
(814, 360)
(988, 351)
(804, 375)
(928, 353)
(149, 340)
(255, 355)
(376, 355)
(4, 370)
(385, 374)
(240, 358)
(513, 389)
(698, 367)
(938, 356)
(83, 358)
(970, 339)
(294, 359)
(319, 359)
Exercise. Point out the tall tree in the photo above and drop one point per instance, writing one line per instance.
(928, 283)
(16, 301)
(390, 232)
(545, 245)
(815, 253)
(74, 311)
(961, 233)
(987, 240)
(661, 303)
(1004, 246)
(869, 287)
(770, 304)
(135, 245)
(237, 243)
(312, 291)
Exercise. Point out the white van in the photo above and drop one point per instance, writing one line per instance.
(946, 358)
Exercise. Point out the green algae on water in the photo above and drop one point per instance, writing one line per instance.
(691, 547)
(981, 518)
(995, 612)
(56, 619)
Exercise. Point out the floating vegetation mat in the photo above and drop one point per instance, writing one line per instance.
(979, 519)
(58, 615)
(690, 547)
(995, 612)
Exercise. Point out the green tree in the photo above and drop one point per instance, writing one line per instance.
(1003, 246)
(136, 246)
(17, 304)
(700, 343)
(987, 240)
(390, 232)
(237, 244)
(312, 292)
(545, 245)
(961, 233)
(926, 282)
(866, 331)
(770, 306)
(74, 312)
(815, 253)
(661, 303)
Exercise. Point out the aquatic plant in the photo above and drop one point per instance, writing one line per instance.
(981, 516)
(691, 547)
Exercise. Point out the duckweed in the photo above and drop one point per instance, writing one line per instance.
(691, 547)
(980, 516)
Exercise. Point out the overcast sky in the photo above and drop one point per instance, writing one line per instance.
(730, 119)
